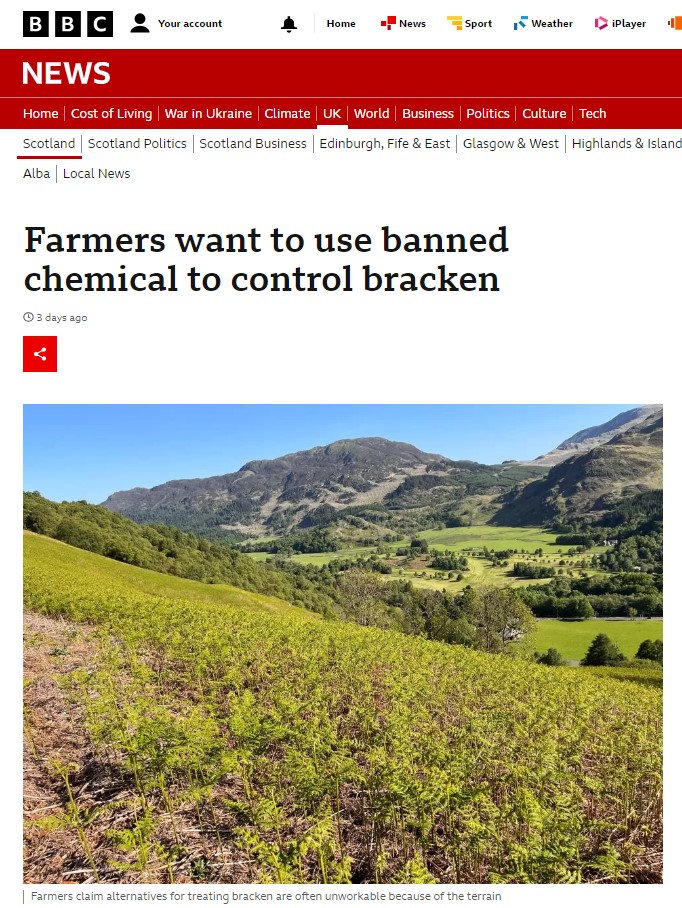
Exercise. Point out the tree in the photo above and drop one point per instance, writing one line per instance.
(451, 630)
(602, 651)
(499, 615)
(40, 515)
(578, 607)
(551, 657)
(651, 649)
(79, 533)
(361, 592)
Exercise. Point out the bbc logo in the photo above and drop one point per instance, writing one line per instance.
(67, 24)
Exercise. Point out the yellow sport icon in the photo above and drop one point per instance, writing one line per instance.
(456, 21)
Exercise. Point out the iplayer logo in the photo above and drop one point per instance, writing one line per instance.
(69, 24)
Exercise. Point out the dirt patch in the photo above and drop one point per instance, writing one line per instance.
(74, 797)
(53, 738)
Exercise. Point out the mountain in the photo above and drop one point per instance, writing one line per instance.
(271, 495)
(370, 484)
(366, 479)
(594, 482)
(590, 438)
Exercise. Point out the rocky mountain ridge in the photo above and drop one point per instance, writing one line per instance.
(375, 481)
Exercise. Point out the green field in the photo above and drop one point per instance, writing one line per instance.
(456, 539)
(460, 539)
(480, 571)
(572, 638)
(200, 734)
(321, 558)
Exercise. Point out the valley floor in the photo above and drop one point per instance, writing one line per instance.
(469, 541)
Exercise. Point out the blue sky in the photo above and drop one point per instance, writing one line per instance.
(88, 451)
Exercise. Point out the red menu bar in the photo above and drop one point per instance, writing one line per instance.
(342, 73)
(304, 89)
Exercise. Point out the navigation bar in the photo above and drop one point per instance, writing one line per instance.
(305, 24)
(354, 113)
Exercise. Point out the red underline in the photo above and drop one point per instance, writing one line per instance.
(49, 157)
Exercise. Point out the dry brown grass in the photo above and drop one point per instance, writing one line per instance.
(54, 734)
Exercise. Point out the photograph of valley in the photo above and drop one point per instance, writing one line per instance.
(343, 644)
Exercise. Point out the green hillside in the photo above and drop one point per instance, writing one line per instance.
(63, 563)
(165, 549)
(204, 734)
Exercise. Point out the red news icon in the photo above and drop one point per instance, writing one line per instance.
(40, 354)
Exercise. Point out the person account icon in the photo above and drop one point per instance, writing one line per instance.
(289, 25)
(139, 27)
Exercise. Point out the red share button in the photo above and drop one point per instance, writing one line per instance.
(40, 354)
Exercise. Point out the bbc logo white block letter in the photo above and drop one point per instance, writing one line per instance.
(67, 24)
(36, 24)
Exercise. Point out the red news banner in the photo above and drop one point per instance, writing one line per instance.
(362, 89)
